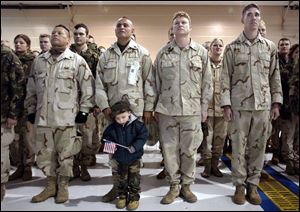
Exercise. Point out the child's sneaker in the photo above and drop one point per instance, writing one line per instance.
(121, 203)
(132, 205)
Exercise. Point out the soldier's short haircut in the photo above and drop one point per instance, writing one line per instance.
(283, 39)
(182, 14)
(77, 26)
(247, 7)
(25, 38)
(45, 36)
(63, 26)
(125, 17)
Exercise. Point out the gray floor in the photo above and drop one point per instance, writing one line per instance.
(214, 194)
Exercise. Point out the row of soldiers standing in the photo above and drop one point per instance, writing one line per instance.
(179, 110)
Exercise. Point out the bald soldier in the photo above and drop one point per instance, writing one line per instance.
(250, 95)
(124, 72)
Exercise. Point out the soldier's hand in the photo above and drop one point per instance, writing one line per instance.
(227, 113)
(275, 111)
(131, 149)
(96, 111)
(10, 123)
(31, 118)
(81, 117)
(107, 113)
(147, 117)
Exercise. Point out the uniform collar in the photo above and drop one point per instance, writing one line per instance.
(132, 45)
(173, 46)
(243, 39)
(67, 54)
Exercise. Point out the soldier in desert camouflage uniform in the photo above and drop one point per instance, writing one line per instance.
(23, 146)
(56, 79)
(184, 89)
(124, 72)
(12, 96)
(217, 127)
(250, 95)
(90, 129)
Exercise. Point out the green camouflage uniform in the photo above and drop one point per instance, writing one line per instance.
(184, 90)
(53, 94)
(12, 96)
(22, 149)
(250, 83)
(293, 140)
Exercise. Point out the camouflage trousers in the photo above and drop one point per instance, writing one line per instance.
(277, 127)
(129, 180)
(290, 139)
(22, 148)
(91, 133)
(180, 137)
(56, 147)
(217, 131)
(249, 131)
(7, 137)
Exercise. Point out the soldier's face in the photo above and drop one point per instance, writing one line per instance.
(45, 44)
(251, 19)
(181, 26)
(216, 48)
(296, 54)
(20, 45)
(124, 28)
(80, 36)
(262, 30)
(60, 37)
(122, 118)
(284, 47)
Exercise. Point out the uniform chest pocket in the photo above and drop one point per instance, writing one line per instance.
(109, 72)
(265, 60)
(40, 80)
(195, 71)
(65, 81)
(241, 60)
(168, 70)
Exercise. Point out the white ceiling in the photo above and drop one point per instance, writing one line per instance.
(274, 3)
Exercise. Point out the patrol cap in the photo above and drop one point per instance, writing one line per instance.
(120, 107)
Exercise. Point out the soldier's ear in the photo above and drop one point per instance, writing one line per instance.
(132, 31)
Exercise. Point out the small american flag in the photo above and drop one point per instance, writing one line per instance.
(109, 147)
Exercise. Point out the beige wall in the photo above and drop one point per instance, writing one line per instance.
(151, 22)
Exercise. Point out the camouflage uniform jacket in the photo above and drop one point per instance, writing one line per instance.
(112, 82)
(12, 85)
(286, 71)
(53, 89)
(214, 109)
(294, 89)
(26, 61)
(250, 79)
(183, 80)
(91, 56)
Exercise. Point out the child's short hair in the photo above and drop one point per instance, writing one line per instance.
(120, 107)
